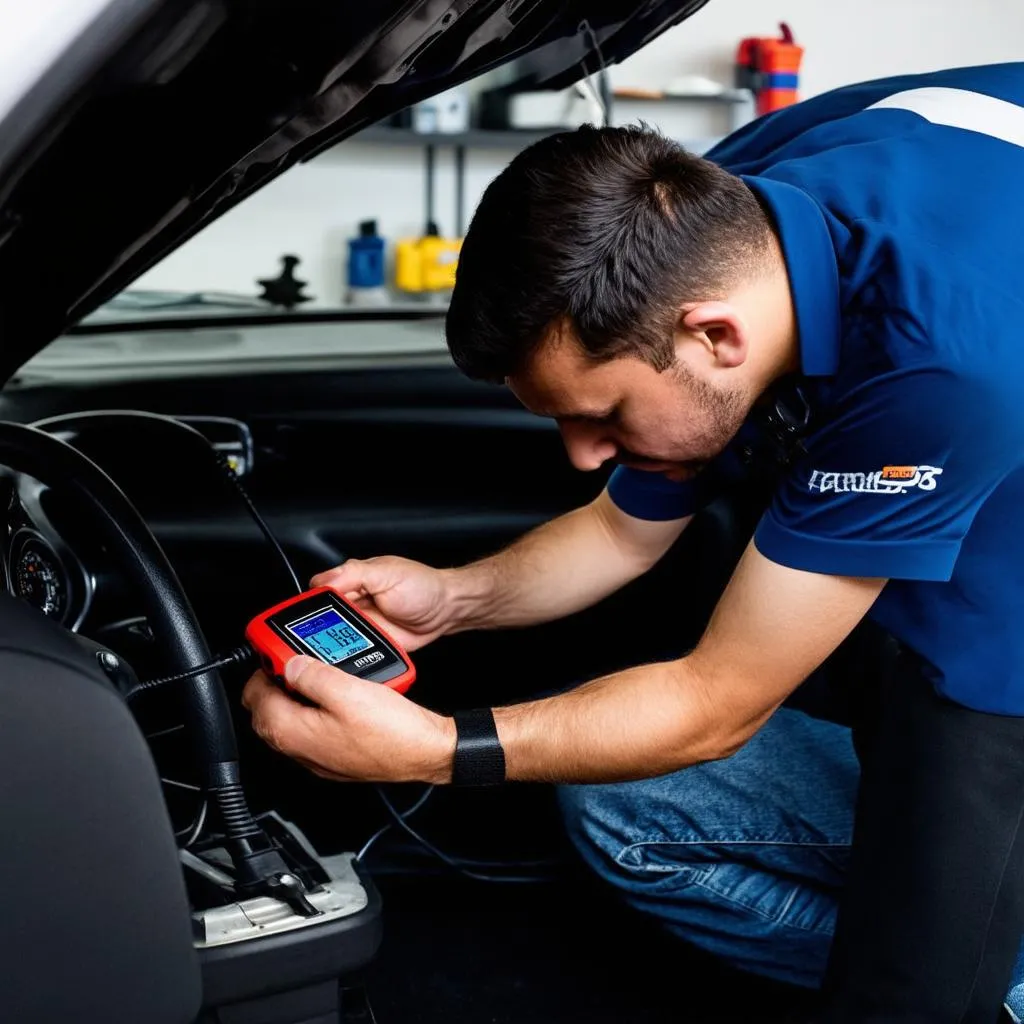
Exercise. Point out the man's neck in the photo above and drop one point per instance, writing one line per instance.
(770, 305)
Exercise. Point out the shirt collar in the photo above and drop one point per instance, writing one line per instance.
(813, 272)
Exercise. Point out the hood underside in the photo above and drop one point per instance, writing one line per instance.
(161, 116)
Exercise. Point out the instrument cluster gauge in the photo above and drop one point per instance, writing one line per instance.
(38, 576)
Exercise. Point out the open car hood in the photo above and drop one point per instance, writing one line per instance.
(128, 125)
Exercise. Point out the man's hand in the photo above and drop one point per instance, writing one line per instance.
(357, 731)
(408, 599)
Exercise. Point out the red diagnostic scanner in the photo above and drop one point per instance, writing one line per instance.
(322, 624)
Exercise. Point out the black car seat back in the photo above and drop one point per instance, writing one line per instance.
(94, 925)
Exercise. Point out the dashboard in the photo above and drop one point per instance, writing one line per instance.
(49, 556)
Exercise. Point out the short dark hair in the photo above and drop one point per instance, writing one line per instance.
(607, 229)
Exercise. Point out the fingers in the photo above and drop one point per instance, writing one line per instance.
(356, 581)
(351, 577)
(320, 683)
(256, 690)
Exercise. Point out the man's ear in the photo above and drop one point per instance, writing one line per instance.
(719, 328)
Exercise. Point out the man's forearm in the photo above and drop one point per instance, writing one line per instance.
(773, 626)
(559, 568)
(643, 722)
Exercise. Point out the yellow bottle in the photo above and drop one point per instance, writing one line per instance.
(426, 264)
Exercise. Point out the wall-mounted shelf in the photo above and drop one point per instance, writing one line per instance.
(475, 138)
(722, 96)
(741, 102)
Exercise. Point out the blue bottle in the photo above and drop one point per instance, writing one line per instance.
(366, 265)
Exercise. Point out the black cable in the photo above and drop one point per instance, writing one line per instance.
(430, 228)
(546, 862)
(452, 862)
(588, 30)
(384, 829)
(465, 862)
(194, 830)
(243, 655)
(240, 655)
(258, 519)
(460, 189)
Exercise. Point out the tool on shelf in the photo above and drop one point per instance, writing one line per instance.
(365, 278)
(427, 264)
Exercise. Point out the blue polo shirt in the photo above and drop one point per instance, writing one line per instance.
(900, 208)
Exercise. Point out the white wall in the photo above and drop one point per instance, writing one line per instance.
(314, 208)
(844, 42)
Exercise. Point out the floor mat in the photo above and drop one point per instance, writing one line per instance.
(463, 952)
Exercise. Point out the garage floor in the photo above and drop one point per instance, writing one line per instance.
(463, 952)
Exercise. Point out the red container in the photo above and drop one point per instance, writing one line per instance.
(775, 99)
(770, 68)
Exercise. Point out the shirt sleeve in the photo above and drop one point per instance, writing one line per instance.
(890, 485)
(651, 496)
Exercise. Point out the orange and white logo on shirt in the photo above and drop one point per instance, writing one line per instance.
(887, 480)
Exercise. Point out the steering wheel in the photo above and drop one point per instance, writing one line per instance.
(138, 555)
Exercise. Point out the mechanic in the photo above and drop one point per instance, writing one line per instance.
(856, 257)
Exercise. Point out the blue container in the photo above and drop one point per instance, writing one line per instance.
(366, 257)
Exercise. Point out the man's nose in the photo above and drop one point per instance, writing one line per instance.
(588, 445)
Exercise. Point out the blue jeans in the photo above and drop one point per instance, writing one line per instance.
(743, 857)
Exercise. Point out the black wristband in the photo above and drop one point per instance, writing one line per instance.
(479, 758)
